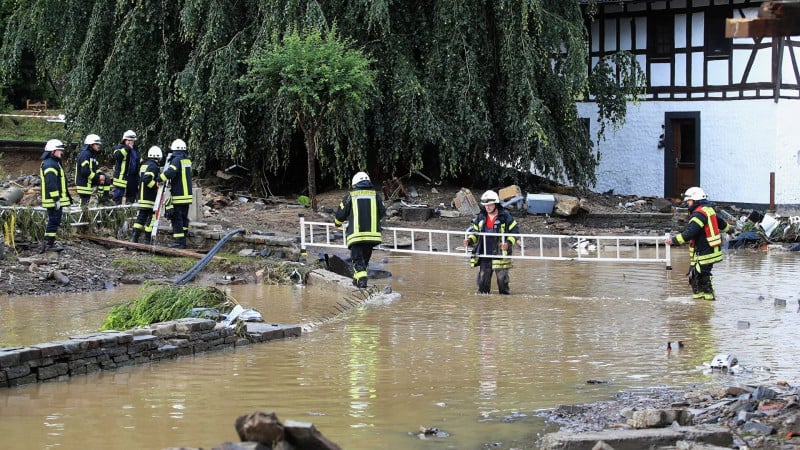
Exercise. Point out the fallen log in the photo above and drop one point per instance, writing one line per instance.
(145, 247)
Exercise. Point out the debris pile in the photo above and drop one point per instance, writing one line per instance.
(751, 416)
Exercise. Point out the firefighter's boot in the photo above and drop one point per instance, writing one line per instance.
(179, 243)
(135, 235)
(707, 287)
(694, 282)
(49, 245)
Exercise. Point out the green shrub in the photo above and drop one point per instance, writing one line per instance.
(164, 303)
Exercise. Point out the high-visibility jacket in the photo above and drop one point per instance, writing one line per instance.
(179, 174)
(703, 234)
(124, 159)
(87, 171)
(504, 223)
(54, 182)
(149, 176)
(363, 210)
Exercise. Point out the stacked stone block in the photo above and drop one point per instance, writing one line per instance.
(109, 350)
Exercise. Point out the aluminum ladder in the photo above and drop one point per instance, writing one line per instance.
(634, 249)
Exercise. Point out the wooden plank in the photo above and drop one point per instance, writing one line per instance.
(145, 247)
(755, 28)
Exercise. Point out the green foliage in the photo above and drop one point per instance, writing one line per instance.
(164, 303)
(29, 129)
(27, 220)
(613, 91)
(130, 265)
(315, 82)
(303, 200)
(442, 86)
(173, 264)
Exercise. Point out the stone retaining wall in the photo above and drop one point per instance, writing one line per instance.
(109, 350)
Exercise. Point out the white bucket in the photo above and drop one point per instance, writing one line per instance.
(768, 224)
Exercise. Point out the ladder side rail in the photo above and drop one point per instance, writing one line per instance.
(395, 240)
(524, 240)
(329, 230)
(302, 234)
(667, 250)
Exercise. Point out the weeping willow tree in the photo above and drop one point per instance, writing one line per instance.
(460, 83)
(314, 82)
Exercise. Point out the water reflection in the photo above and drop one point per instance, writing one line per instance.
(439, 356)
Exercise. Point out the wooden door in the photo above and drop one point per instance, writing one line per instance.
(681, 153)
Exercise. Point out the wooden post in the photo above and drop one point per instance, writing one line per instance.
(772, 192)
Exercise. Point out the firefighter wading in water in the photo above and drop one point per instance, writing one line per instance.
(705, 242)
(363, 210)
(493, 219)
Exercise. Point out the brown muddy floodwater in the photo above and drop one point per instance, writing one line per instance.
(476, 367)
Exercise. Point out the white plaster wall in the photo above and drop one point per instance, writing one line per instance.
(630, 162)
(742, 141)
(787, 166)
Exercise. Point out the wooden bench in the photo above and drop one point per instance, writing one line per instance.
(36, 106)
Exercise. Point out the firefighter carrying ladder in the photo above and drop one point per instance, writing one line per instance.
(635, 249)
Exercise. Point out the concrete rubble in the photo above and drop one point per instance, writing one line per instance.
(711, 417)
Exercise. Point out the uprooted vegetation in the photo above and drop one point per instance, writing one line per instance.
(161, 303)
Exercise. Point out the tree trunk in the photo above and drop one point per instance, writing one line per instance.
(311, 148)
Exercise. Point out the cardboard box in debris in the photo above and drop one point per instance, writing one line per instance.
(511, 197)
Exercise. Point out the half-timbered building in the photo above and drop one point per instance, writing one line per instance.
(719, 112)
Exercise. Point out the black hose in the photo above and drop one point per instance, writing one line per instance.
(191, 273)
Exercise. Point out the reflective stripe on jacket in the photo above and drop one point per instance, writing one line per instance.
(504, 224)
(87, 170)
(703, 234)
(122, 157)
(54, 183)
(179, 174)
(149, 175)
(363, 209)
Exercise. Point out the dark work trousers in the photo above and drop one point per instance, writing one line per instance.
(143, 219)
(360, 253)
(485, 277)
(180, 220)
(118, 194)
(53, 222)
(128, 193)
(704, 278)
(85, 199)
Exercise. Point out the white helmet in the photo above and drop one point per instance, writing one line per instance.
(129, 135)
(694, 193)
(53, 145)
(178, 145)
(92, 139)
(154, 152)
(489, 197)
(359, 177)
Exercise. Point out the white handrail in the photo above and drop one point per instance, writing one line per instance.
(638, 249)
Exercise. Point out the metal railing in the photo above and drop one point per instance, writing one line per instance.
(636, 249)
